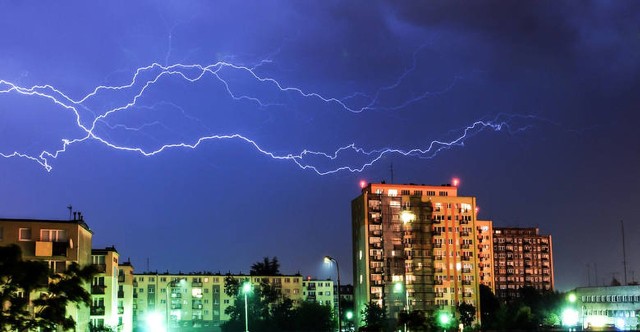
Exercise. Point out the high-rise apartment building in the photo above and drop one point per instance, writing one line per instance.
(522, 257)
(56, 242)
(484, 239)
(199, 300)
(111, 291)
(414, 248)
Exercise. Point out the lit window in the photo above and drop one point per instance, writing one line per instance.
(393, 192)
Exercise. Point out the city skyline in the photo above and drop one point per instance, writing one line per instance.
(259, 121)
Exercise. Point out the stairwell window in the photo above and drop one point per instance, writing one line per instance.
(53, 235)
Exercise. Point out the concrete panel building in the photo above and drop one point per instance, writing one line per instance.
(522, 257)
(414, 248)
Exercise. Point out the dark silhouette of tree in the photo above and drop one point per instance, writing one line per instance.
(313, 317)
(268, 267)
(467, 313)
(375, 317)
(19, 278)
(489, 307)
(415, 320)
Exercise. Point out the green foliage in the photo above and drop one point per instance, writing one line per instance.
(269, 310)
(489, 307)
(375, 317)
(414, 320)
(467, 313)
(268, 267)
(18, 279)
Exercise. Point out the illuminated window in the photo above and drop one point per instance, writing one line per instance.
(53, 235)
(393, 192)
(24, 234)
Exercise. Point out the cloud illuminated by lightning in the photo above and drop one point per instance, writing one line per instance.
(89, 113)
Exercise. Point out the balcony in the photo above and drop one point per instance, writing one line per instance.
(97, 310)
(120, 310)
(98, 289)
(465, 246)
(466, 270)
(121, 278)
(465, 258)
(464, 233)
(437, 282)
(437, 245)
(121, 294)
(196, 284)
(466, 282)
(176, 306)
(100, 268)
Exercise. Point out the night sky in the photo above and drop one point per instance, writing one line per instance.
(203, 136)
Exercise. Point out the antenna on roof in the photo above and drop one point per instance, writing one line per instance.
(624, 254)
(391, 169)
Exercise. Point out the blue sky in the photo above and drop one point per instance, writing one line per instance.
(533, 105)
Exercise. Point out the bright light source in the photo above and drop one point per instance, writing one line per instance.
(328, 259)
(572, 297)
(397, 287)
(569, 317)
(444, 319)
(246, 287)
(349, 314)
(407, 216)
(455, 182)
(155, 321)
(620, 323)
(363, 184)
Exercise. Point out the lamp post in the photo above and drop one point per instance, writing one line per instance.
(329, 259)
(246, 289)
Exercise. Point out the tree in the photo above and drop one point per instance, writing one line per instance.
(19, 279)
(415, 320)
(467, 313)
(489, 307)
(268, 267)
(375, 317)
(313, 317)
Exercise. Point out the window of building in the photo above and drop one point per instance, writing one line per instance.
(392, 192)
(1, 233)
(24, 234)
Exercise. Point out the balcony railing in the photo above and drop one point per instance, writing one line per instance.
(98, 289)
(97, 310)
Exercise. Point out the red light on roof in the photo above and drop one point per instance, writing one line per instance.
(455, 181)
(477, 209)
(363, 184)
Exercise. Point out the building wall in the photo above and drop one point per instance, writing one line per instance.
(420, 262)
(199, 300)
(609, 306)
(111, 291)
(484, 230)
(57, 242)
(522, 257)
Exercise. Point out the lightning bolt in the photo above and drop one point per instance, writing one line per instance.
(92, 117)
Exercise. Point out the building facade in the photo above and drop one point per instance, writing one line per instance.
(610, 307)
(111, 292)
(521, 257)
(484, 230)
(200, 301)
(56, 242)
(414, 248)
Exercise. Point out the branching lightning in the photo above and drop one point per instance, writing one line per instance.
(87, 118)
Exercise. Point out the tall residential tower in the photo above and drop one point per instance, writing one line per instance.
(414, 248)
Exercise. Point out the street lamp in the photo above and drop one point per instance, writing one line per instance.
(329, 259)
(246, 289)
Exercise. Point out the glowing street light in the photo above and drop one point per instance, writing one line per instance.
(329, 259)
(444, 319)
(246, 289)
